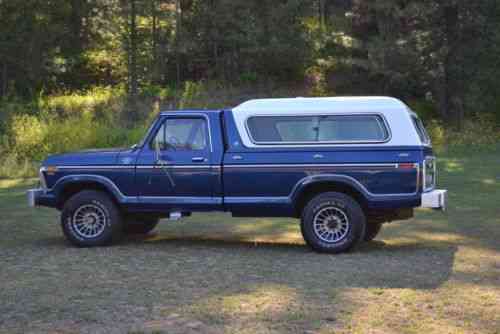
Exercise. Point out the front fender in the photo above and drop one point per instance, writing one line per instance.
(103, 181)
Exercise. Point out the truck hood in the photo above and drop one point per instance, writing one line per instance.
(107, 156)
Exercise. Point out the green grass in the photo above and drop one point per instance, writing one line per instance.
(437, 273)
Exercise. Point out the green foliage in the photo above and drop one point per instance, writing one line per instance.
(437, 133)
(157, 91)
(426, 110)
(62, 123)
(477, 134)
(36, 137)
(93, 119)
(191, 96)
(249, 77)
(95, 101)
(14, 167)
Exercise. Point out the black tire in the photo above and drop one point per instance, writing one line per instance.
(87, 209)
(341, 216)
(372, 230)
(140, 224)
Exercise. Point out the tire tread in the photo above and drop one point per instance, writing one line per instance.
(353, 210)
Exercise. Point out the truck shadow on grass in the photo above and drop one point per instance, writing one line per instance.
(288, 287)
(413, 264)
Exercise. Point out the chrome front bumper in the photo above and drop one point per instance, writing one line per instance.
(436, 199)
(33, 195)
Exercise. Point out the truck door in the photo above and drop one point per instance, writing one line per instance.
(174, 170)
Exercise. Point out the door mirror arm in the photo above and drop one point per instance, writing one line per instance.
(163, 163)
(158, 154)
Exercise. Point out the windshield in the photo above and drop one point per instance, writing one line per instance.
(141, 143)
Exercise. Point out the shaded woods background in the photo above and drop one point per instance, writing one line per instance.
(83, 73)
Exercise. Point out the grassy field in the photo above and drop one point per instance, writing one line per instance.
(438, 273)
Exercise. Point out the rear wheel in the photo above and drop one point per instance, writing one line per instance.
(372, 230)
(140, 224)
(90, 218)
(333, 223)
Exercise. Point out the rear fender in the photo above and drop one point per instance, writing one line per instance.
(310, 186)
(325, 179)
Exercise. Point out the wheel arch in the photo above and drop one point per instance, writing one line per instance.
(312, 186)
(71, 185)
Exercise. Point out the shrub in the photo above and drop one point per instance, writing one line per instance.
(192, 95)
(28, 134)
(14, 167)
(156, 91)
(99, 101)
(29, 131)
(480, 133)
(437, 133)
(424, 109)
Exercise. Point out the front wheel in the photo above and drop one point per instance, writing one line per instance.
(90, 218)
(333, 223)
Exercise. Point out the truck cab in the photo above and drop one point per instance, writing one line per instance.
(343, 166)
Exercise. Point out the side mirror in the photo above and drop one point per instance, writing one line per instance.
(158, 158)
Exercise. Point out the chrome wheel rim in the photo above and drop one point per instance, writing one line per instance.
(89, 221)
(331, 224)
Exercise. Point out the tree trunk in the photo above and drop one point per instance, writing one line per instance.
(154, 39)
(3, 92)
(452, 87)
(215, 46)
(76, 26)
(322, 12)
(178, 32)
(133, 77)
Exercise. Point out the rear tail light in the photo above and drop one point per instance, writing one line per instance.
(429, 174)
(407, 165)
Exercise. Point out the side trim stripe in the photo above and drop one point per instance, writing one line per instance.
(392, 165)
(178, 166)
(95, 167)
(111, 167)
(89, 167)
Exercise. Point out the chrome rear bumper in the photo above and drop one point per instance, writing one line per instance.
(436, 199)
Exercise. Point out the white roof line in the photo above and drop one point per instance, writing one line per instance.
(322, 103)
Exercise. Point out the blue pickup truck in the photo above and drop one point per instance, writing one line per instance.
(343, 166)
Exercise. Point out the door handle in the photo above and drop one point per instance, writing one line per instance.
(198, 159)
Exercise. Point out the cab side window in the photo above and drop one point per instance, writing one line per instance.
(181, 134)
